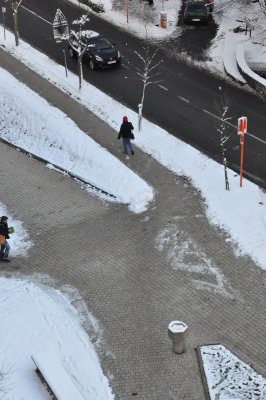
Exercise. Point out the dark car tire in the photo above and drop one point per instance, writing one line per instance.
(92, 64)
(71, 53)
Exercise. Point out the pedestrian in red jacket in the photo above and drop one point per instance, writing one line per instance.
(127, 134)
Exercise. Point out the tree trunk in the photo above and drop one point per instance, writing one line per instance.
(141, 104)
(224, 158)
(15, 15)
(80, 72)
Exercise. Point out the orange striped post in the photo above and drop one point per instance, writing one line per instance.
(242, 129)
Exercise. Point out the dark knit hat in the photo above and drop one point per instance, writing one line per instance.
(4, 218)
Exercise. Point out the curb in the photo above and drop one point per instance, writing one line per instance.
(229, 52)
(233, 77)
(97, 189)
(202, 372)
(254, 80)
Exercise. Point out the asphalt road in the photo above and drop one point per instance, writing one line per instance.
(184, 102)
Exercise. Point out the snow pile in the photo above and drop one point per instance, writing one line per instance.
(44, 321)
(230, 16)
(229, 57)
(230, 378)
(241, 61)
(28, 121)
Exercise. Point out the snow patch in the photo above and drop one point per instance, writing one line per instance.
(45, 321)
(230, 378)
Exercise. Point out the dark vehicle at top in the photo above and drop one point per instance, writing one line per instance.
(209, 3)
(196, 11)
(100, 52)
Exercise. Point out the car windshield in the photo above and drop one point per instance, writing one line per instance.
(195, 6)
(99, 43)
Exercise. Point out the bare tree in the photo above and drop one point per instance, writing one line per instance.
(78, 45)
(78, 41)
(222, 106)
(15, 6)
(149, 64)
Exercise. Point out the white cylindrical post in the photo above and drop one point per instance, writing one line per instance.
(3, 11)
(140, 115)
(178, 332)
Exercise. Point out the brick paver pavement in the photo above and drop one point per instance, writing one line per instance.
(136, 273)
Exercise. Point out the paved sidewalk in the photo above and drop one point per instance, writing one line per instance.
(136, 273)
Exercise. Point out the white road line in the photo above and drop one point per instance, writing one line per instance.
(37, 15)
(234, 126)
(162, 87)
(255, 137)
(182, 98)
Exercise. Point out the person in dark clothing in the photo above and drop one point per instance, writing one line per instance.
(126, 133)
(5, 248)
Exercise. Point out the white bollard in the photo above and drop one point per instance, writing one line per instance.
(178, 332)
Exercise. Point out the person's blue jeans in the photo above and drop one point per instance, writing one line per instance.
(5, 248)
(126, 142)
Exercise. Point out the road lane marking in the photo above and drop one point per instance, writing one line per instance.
(183, 99)
(180, 97)
(255, 137)
(234, 126)
(38, 16)
(162, 87)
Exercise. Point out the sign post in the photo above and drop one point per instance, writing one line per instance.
(65, 61)
(60, 27)
(242, 129)
(3, 12)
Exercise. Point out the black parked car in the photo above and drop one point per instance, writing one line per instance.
(100, 52)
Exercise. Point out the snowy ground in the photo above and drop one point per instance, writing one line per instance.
(44, 320)
(230, 378)
(241, 212)
(24, 122)
(142, 18)
(228, 16)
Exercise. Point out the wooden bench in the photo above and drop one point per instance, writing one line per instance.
(57, 379)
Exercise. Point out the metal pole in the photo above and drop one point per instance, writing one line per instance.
(242, 156)
(4, 25)
(127, 11)
(65, 61)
